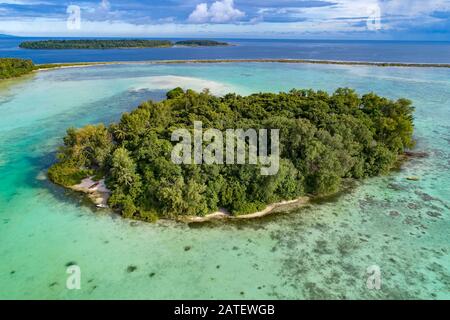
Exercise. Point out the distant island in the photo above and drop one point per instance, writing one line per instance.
(114, 44)
(325, 141)
(201, 43)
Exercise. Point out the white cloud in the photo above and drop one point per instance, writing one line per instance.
(394, 13)
(344, 18)
(221, 11)
(415, 7)
(200, 14)
(352, 8)
(105, 5)
(57, 27)
(224, 11)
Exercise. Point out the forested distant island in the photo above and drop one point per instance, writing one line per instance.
(325, 140)
(115, 44)
(201, 43)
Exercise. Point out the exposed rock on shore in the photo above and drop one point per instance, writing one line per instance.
(96, 191)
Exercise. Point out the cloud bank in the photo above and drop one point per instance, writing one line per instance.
(220, 12)
(398, 19)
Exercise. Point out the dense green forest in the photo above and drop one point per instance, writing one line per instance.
(325, 140)
(201, 43)
(11, 68)
(112, 44)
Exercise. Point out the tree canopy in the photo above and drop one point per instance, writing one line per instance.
(325, 139)
(200, 43)
(11, 67)
(113, 44)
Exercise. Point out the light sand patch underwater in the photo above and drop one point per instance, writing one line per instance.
(171, 82)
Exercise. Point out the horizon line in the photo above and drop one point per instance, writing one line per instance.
(224, 38)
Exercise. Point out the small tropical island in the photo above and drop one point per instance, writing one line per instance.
(201, 43)
(114, 44)
(326, 140)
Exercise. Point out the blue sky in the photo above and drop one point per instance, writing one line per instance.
(317, 19)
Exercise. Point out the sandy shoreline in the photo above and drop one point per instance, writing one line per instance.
(70, 66)
(224, 215)
(99, 194)
(199, 61)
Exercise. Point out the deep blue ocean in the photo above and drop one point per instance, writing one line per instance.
(373, 51)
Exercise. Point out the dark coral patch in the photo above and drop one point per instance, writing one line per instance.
(131, 269)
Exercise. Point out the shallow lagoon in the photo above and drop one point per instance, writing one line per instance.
(322, 251)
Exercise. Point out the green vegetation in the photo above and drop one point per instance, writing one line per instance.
(201, 43)
(112, 44)
(324, 139)
(94, 44)
(11, 68)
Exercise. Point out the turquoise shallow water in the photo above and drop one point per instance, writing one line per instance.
(322, 251)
